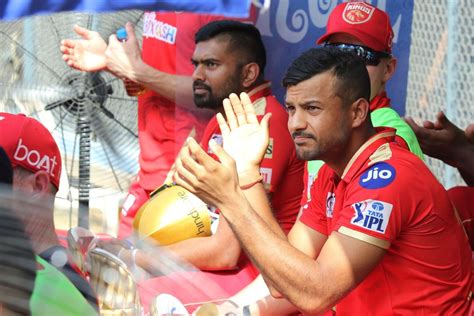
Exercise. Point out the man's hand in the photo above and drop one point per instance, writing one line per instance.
(86, 54)
(212, 181)
(245, 139)
(123, 59)
(442, 139)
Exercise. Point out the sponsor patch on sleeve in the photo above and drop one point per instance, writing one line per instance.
(377, 176)
(372, 215)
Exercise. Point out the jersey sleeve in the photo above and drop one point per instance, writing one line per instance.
(375, 207)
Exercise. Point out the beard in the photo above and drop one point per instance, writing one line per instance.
(323, 149)
(213, 97)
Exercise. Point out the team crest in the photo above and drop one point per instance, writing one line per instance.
(357, 13)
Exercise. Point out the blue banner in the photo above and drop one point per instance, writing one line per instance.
(291, 27)
(14, 9)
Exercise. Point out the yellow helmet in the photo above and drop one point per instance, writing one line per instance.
(172, 214)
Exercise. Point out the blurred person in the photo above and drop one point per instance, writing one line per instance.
(230, 56)
(36, 162)
(445, 141)
(29, 285)
(365, 30)
(166, 112)
(17, 259)
(378, 223)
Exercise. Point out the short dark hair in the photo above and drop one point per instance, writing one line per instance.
(352, 75)
(243, 37)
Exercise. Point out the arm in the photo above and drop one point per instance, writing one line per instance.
(124, 60)
(256, 294)
(445, 141)
(220, 251)
(311, 285)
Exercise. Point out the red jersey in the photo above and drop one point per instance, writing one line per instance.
(388, 197)
(168, 45)
(381, 114)
(281, 169)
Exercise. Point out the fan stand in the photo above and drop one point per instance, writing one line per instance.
(91, 93)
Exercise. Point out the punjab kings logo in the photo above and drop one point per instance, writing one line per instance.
(357, 13)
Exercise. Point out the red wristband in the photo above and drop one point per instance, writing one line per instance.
(251, 184)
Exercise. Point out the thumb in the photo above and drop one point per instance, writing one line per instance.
(130, 31)
(82, 31)
(224, 157)
(442, 121)
(265, 122)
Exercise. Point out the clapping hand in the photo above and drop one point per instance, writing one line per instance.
(87, 53)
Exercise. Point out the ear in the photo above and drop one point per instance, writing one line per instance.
(41, 183)
(250, 73)
(390, 68)
(360, 110)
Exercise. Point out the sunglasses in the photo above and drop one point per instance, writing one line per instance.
(369, 56)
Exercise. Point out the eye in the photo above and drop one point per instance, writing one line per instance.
(290, 109)
(311, 108)
(210, 64)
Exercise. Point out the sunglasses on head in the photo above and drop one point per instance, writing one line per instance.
(369, 56)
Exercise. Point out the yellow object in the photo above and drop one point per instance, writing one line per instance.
(172, 214)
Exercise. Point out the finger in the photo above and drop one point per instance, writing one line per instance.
(113, 40)
(82, 31)
(182, 166)
(411, 123)
(225, 130)
(238, 109)
(130, 32)
(469, 132)
(248, 108)
(223, 156)
(266, 122)
(68, 43)
(202, 159)
(442, 121)
(429, 125)
(230, 115)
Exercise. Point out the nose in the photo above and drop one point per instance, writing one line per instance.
(296, 121)
(198, 73)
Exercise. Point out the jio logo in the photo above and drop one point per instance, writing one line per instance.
(378, 176)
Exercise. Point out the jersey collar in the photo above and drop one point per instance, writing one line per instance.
(380, 101)
(260, 91)
(370, 150)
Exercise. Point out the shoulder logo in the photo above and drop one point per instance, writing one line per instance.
(378, 176)
(357, 13)
(330, 202)
(372, 215)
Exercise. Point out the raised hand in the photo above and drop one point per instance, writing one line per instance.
(441, 139)
(86, 54)
(124, 58)
(245, 139)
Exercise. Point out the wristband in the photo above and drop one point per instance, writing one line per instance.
(251, 184)
(246, 310)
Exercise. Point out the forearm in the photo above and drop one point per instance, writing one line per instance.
(215, 252)
(178, 89)
(294, 274)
